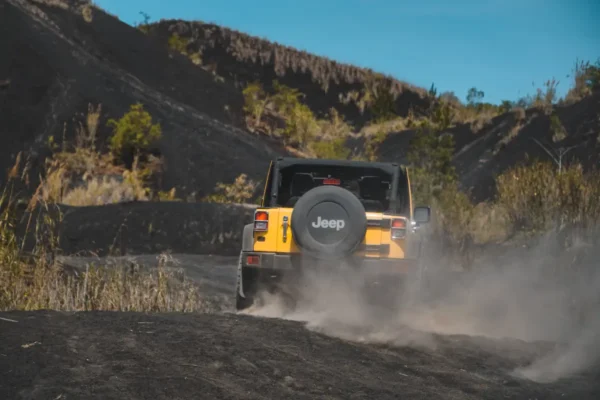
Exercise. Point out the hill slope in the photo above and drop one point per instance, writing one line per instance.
(483, 149)
(55, 62)
(61, 55)
(511, 138)
(243, 59)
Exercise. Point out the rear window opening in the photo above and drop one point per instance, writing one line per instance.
(371, 186)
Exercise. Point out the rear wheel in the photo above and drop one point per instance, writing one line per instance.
(255, 282)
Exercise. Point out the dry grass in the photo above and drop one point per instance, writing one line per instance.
(80, 175)
(87, 13)
(285, 59)
(477, 117)
(35, 281)
(582, 73)
(105, 190)
(540, 197)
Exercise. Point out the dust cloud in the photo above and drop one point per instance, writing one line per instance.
(546, 292)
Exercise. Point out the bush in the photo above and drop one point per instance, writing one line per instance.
(539, 197)
(240, 191)
(80, 175)
(380, 100)
(285, 99)
(133, 133)
(334, 149)
(178, 44)
(300, 124)
(255, 102)
(334, 127)
(106, 190)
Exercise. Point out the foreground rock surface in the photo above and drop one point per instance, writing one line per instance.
(51, 355)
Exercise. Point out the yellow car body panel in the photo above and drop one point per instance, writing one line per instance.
(273, 240)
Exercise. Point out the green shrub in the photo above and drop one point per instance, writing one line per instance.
(285, 99)
(335, 126)
(334, 149)
(239, 191)
(133, 133)
(301, 127)
(178, 44)
(255, 102)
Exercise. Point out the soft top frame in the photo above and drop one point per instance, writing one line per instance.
(396, 171)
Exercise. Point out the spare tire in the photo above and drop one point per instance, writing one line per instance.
(328, 222)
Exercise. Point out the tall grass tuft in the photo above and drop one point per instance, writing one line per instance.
(35, 280)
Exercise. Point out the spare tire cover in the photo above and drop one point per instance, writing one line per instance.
(328, 222)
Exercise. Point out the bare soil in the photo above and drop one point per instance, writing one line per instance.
(50, 355)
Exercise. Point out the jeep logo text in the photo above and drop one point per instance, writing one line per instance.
(329, 223)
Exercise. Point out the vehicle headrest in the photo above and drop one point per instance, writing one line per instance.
(370, 186)
(354, 187)
(301, 183)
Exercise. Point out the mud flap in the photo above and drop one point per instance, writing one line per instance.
(247, 245)
(240, 284)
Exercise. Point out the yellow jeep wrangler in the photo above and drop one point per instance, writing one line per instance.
(317, 211)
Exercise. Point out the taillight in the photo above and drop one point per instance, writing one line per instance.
(261, 221)
(332, 181)
(398, 228)
(253, 260)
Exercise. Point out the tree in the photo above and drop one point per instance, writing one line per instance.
(557, 154)
(255, 101)
(432, 91)
(506, 106)
(474, 96)
(133, 133)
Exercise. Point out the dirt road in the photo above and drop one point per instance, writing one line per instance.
(48, 355)
(52, 355)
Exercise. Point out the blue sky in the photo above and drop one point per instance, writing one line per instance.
(498, 46)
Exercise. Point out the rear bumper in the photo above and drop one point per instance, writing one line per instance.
(296, 262)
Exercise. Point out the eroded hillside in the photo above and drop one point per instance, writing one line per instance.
(60, 56)
(243, 59)
(513, 138)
